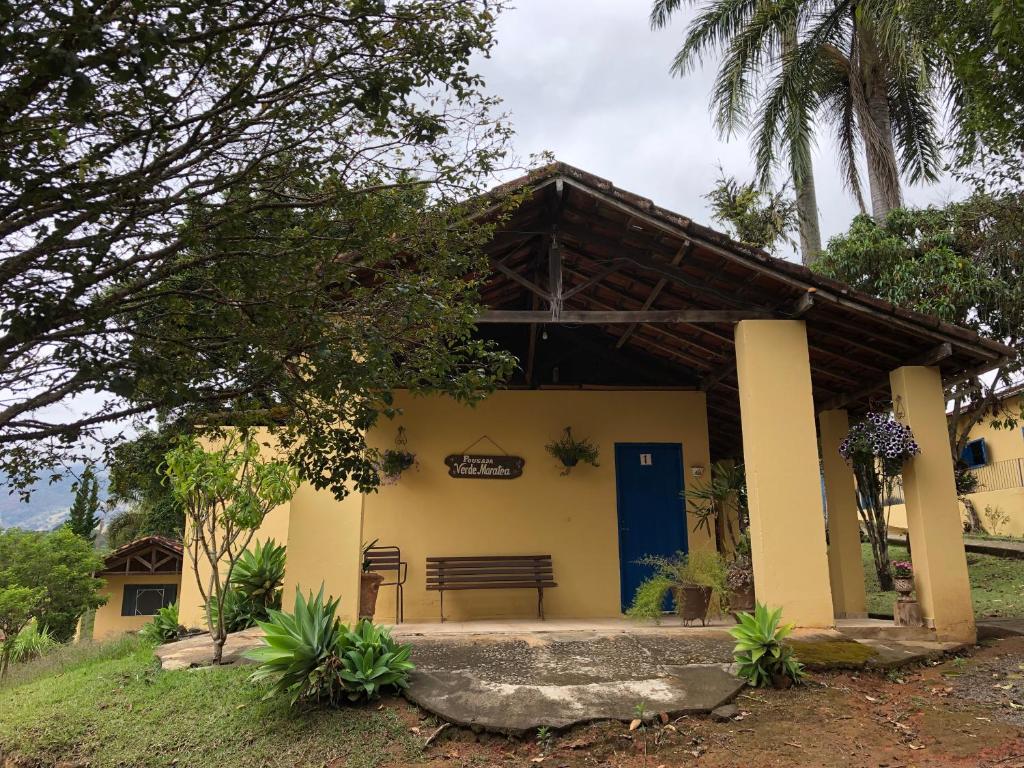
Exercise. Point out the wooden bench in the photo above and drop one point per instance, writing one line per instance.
(491, 572)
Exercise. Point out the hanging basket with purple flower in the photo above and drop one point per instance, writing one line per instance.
(876, 448)
(879, 439)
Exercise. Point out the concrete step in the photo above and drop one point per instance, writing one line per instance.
(876, 629)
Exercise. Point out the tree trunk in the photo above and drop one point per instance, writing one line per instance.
(875, 123)
(802, 171)
(974, 524)
(872, 512)
(807, 215)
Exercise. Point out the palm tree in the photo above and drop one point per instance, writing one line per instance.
(856, 65)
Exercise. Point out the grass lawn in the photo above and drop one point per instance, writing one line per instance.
(109, 705)
(997, 583)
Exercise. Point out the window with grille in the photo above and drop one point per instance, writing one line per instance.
(147, 599)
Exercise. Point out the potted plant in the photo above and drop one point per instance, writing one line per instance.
(693, 580)
(570, 451)
(903, 578)
(393, 462)
(369, 585)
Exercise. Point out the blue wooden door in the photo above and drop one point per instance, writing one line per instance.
(652, 518)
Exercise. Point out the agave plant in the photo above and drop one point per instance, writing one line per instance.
(762, 657)
(259, 573)
(310, 655)
(372, 660)
(164, 626)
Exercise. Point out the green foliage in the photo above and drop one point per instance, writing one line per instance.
(259, 573)
(226, 494)
(710, 497)
(57, 569)
(285, 152)
(570, 451)
(394, 462)
(983, 46)
(649, 600)
(110, 706)
(788, 70)
(255, 587)
(701, 569)
(762, 656)
(163, 627)
(310, 655)
(136, 481)
(17, 605)
(753, 215)
(32, 642)
(83, 517)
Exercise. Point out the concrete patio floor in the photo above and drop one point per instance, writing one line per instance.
(516, 676)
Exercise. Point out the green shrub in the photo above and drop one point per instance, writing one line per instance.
(310, 655)
(649, 600)
(259, 573)
(164, 627)
(239, 611)
(762, 656)
(32, 642)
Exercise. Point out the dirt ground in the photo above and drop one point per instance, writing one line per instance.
(961, 712)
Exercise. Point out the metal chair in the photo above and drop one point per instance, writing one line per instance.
(389, 559)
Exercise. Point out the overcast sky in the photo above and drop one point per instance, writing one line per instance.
(589, 81)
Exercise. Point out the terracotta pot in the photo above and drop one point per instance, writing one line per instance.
(903, 585)
(742, 599)
(782, 681)
(369, 585)
(692, 603)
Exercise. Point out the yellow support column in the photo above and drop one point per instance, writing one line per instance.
(933, 514)
(845, 566)
(780, 453)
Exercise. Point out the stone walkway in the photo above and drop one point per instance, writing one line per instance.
(557, 674)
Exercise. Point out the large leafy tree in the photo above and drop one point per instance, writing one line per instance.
(963, 263)
(137, 484)
(50, 576)
(789, 65)
(982, 43)
(183, 187)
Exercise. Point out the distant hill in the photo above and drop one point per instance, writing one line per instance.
(49, 505)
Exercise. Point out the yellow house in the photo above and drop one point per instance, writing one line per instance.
(995, 457)
(141, 577)
(669, 346)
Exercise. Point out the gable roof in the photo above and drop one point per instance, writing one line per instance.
(686, 285)
(148, 555)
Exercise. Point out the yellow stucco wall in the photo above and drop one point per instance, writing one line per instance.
(109, 621)
(191, 610)
(573, 517)
(428, 513)
(1002, 444)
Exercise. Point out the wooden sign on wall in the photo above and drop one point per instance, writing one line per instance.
(475, 466)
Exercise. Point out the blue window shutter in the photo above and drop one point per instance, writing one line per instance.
(975, 453)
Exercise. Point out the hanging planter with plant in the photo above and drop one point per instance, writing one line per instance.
(394, 461)
(570, 451)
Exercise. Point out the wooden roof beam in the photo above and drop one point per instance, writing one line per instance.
(655, 292)
(595, 317)
(933, 356)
